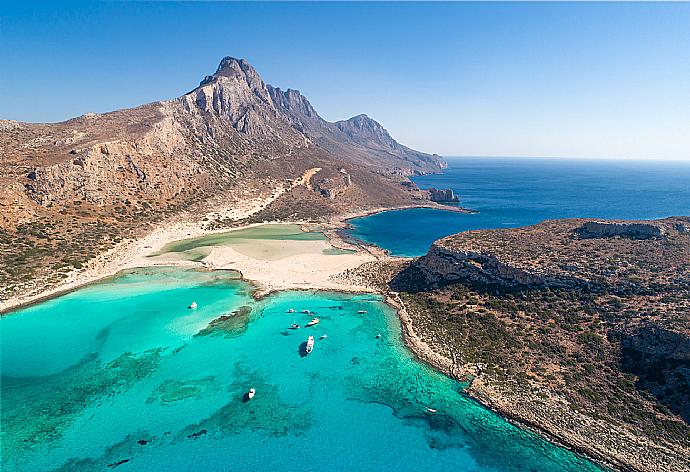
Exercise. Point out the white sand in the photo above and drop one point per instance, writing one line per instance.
(303, 266)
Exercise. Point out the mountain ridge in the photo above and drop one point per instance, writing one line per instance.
(85, 183)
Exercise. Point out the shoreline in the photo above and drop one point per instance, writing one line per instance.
(135, 256)
(133, 253)
(423, 352)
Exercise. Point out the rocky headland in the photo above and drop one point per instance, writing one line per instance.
(576, 328)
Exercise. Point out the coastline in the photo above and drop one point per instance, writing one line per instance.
(423, 352)
(133, 254)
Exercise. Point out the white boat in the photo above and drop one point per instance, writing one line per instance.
(306, 312)
(294, 326)
(251, 393)
(362, 312)
(192, 306)
(431, 410)
(378, 336)
(313, 322)
(323, 336)
(310, 344)
(291, 310)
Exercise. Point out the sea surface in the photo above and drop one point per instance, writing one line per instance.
(121, 375)
(519, 192)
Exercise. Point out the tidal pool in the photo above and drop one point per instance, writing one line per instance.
(122, 375)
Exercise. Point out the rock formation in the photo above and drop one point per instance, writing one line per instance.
(608, 229)
(443, 195)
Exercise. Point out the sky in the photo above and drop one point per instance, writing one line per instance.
(600, 80)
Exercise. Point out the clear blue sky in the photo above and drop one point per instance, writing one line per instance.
(535, 79)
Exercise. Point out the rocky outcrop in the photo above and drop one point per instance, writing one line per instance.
(442, 266)
(660, 357)
(331, 187)
(443, 195)
(608, 229)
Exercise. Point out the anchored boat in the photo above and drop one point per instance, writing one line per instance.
(192, 306)
(310, 344)
(251, 393)
(313, 322)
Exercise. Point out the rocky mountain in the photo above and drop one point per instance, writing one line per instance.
(578, 328)
(360, 138)
(70, 190)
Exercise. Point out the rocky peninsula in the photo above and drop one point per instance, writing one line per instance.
(576, 328)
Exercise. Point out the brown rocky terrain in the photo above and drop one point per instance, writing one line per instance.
(72, 190)
(580, 329)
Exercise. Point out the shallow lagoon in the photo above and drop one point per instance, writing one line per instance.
(122, 374)
(263, 242)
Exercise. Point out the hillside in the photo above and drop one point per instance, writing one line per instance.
(578, 328)
(71, 190)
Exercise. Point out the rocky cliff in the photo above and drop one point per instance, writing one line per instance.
(606, 229)
(535, 257)
(443, 195)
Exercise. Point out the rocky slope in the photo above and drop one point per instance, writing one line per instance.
(71, 190)
(578, 328)
(360, 138)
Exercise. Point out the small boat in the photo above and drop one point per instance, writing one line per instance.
(251, 393)
(323, 336)
(291, 310)
(294, 326)
(306, 312)
(310, 344)
(313, 322)
(192, 306)
(378, 336)
(431, 410)
(362, 312)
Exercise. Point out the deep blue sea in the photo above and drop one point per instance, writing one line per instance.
(517, 192)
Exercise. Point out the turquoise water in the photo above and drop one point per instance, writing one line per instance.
(122, 375)
(519, 192)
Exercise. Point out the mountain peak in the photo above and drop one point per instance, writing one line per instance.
(363, 122)
(234, 68)
(230, 66)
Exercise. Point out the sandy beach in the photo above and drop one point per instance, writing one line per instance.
(305, 265)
